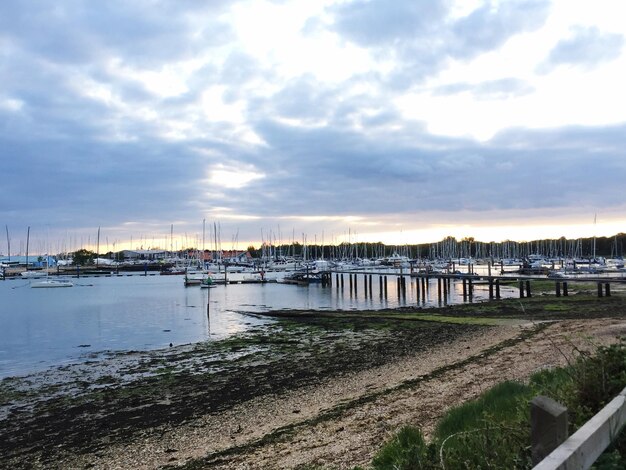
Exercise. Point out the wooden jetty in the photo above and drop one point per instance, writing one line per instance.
(469, 281)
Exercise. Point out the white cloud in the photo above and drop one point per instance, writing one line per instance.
(233, 177)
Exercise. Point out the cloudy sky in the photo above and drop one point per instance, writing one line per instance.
(401, 121)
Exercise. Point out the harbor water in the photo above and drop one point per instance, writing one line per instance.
(42, 328)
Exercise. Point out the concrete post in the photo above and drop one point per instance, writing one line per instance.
(548, 426)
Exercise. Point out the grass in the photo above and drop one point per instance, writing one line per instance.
(493, 431)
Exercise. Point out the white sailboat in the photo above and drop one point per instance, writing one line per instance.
(52, 283)
(47, 282)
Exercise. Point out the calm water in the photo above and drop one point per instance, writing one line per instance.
(40, 328)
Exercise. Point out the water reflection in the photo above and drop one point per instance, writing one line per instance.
(43, 327)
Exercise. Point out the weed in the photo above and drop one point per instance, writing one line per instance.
(406, 451)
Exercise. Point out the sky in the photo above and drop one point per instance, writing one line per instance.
(398, 121)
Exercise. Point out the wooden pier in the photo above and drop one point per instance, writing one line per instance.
(562, 285)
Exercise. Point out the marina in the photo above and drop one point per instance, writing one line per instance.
(111, 312)
(48, 327)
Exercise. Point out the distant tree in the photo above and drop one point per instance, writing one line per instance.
(254, 252)
(83, 257)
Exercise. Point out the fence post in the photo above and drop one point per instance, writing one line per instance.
(582, 449)
(548, 426)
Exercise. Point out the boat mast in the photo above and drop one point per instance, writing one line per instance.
(27, 240)
(98, 247)
(594, 236)
(8, 242)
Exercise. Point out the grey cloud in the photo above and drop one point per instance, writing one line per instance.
(489, 90)
(586, 47)
(303, 98)
(73, 143)
(141, 32)
(312, 172)
(491, 25)
(239, 68)
(421, 37)
(379, 23)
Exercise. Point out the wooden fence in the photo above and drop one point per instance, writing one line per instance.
(581, 449)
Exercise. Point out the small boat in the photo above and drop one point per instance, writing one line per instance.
(207, 283)
(51, 283)
(33, 274)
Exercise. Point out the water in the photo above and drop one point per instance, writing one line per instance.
(40, 328)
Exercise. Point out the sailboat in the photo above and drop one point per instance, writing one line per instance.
(47, 282)
(28, 274)
(52, 283)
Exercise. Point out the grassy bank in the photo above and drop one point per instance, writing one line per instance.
(494, 430)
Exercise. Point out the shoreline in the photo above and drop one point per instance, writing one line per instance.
(325, 388)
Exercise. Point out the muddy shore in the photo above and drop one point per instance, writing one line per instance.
(321, 388)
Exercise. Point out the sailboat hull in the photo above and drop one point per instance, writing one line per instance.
(51, 283)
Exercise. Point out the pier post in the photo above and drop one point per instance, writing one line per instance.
(599, 289)
(490, 287)
(385, 287)
(470, 288)
(439, 288)
(521, 289)
(528, 293)
(337, 280)
(380, 286)
(355, 285)
(489, 268)
(371, 285)
(424, 282)
(350, 279)
(558, 289)
(399, 285)
(565, 293)
(341, 281)
(445, 290)
(464, 289)
(607, 289)
(365, 284)
(498, 289)
(417, 291)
